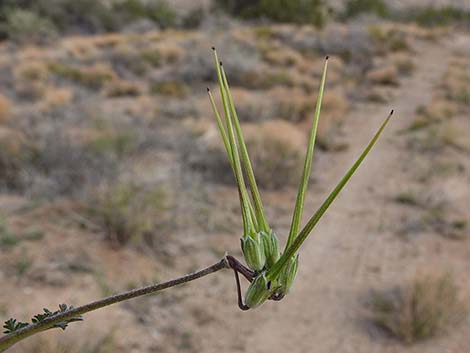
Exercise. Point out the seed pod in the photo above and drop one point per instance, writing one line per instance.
(271, 247)
(258, 291)
(287, 276)
(253, 251)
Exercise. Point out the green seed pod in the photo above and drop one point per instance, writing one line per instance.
(271, 247)
(254, 252)
(258, 291)
(287, 276)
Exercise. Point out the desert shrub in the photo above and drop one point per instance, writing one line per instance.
(129, 213)
(387, 75)
(27, 20)
(356, 7)
(114, 143)
(193, 18)
(5, 109)
(77, 15)
(158, 11)
(170, 88)
(14, 152)
(161, 13)
(386, 40)
(296, 11)
(93, 76)
(54, 165)
(420, 309)
(456, 83)
(8, 238)
(151, 56)
(120, 88)
(26, 26)
(438, 16)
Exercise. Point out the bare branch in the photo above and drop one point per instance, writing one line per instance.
(9, 340)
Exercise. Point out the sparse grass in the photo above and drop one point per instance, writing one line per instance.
(61, 166)
(293, 11)
(407, 198)
(438, 16)
(31, 71)
(114, 143)
(23, 263)
(8, 239)
(357, 7)
(170, 88)
(56, 98)
(384, 76)
(420, 309)
(456, 84)
(93, 76)
(14, 152)
(388, 39)
(5, 109)
(405, 66)
(151, 56)
(33, 234)
(121, 88)
(264, 33)
(128, 213)
(26, 26)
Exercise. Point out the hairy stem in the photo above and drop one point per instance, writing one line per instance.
(9, 340)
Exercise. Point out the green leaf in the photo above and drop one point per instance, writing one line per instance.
(277, 268)
(12, 325)
(246, 160)
(248, 226)
(299, 203)
(228, 148)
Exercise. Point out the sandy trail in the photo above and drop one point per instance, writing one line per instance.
(352, 251)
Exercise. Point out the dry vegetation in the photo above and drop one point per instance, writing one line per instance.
(421, 309)
(112, 173)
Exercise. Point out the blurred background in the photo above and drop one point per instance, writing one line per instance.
(113, 175)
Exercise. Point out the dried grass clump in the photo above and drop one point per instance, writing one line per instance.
(120, 88)
(5, 109)
(277, 153)
(420, 309)
(94, 76)
(456, 83)
(14, 150)
(30, 78)
(55, 98)
(170, 88)
(129, 213)
(387, 75)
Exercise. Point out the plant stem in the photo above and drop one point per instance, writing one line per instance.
(9, 340)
